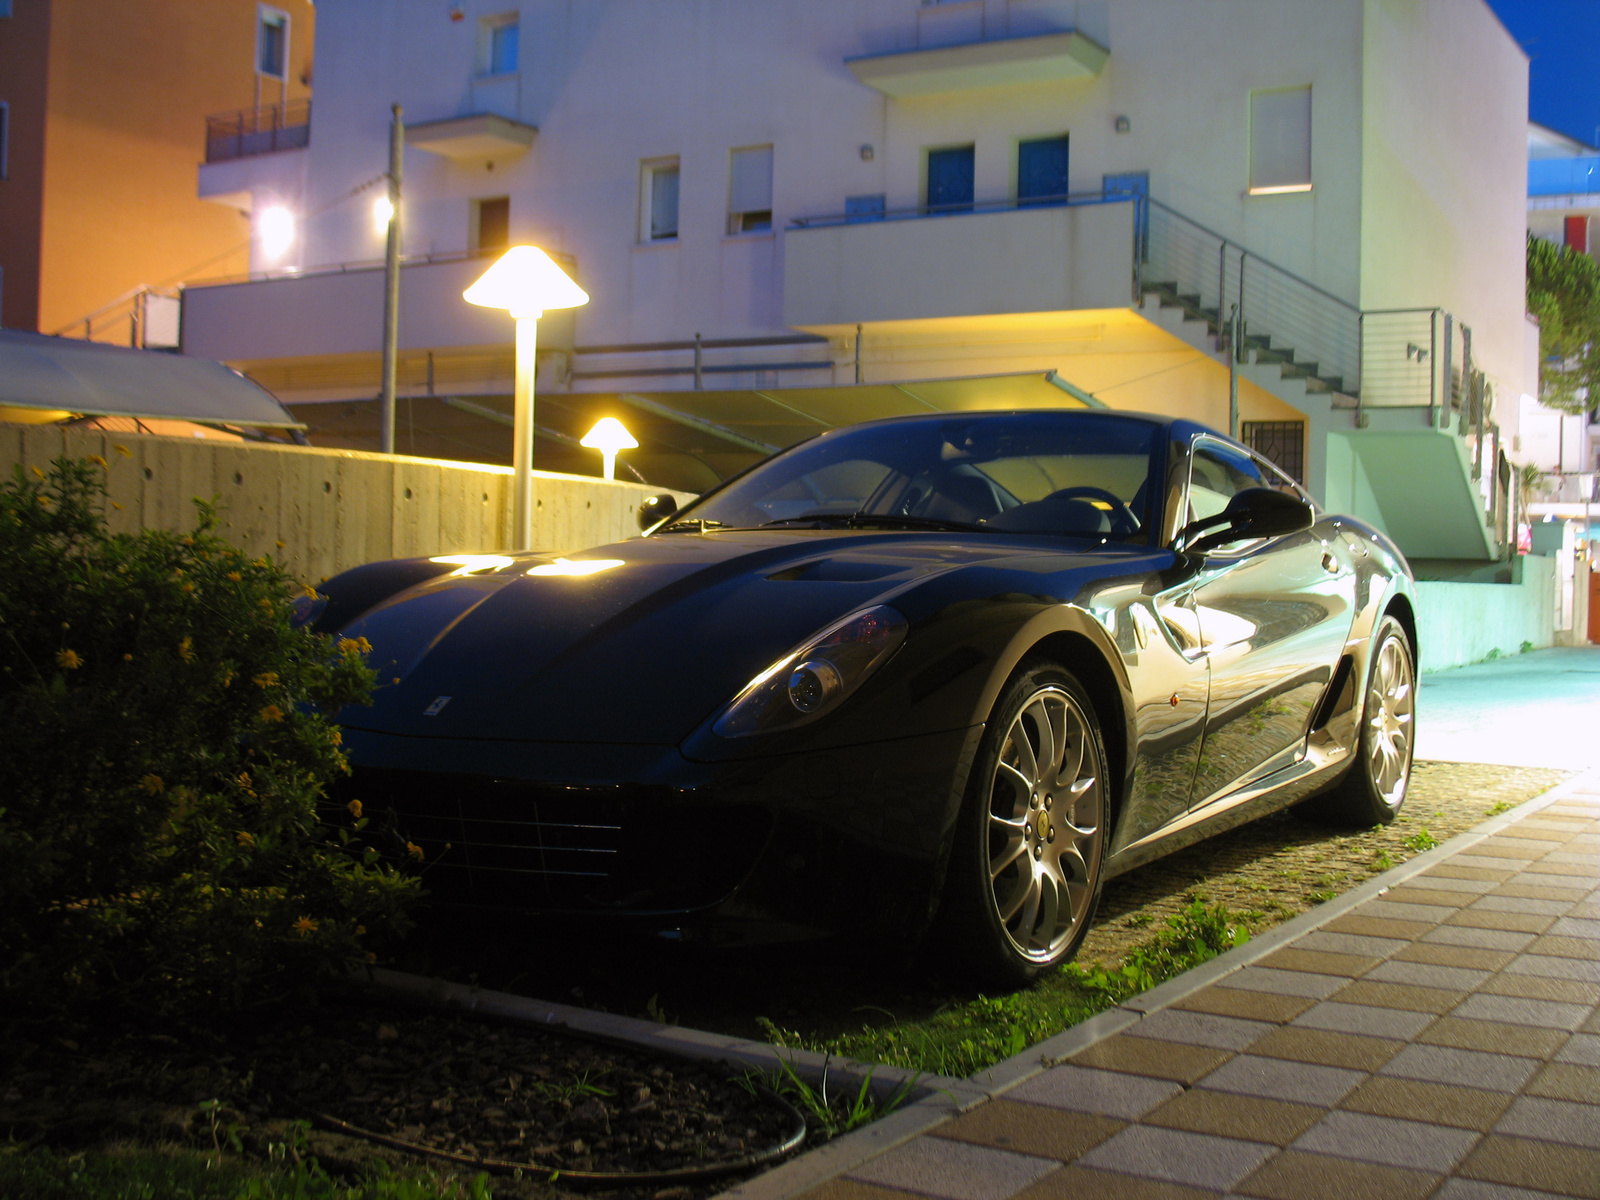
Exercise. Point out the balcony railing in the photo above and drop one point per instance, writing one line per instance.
(285, 126)
(862, 209)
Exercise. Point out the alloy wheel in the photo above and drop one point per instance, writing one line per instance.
(1391, 699)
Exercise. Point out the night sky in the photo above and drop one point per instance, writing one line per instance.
(1562, 40)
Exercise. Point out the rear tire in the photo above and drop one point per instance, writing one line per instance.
(1025, 867)
(1373, 790)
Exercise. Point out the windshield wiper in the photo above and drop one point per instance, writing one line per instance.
(864, 520)
(690, 525)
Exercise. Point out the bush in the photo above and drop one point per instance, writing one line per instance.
(166, 744)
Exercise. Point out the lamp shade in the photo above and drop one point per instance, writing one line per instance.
(609, 434)
(526, 281)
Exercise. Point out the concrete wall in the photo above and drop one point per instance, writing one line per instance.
(1460, 623)
(318, 512)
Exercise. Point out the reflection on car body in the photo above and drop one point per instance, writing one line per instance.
(938, 676)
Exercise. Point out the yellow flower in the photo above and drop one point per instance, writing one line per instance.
(337, 737)
(358, 645)
(271, 713)
(98, 461)
(227, 678)
(245, 838)
(244, 782)
(266, 679)
(186, 649)
(188, 541)
(281, 545)
(371, 957)
(361, 931)
(153, 784)
(304, 926)
(124, 451)
(414, 850)
(235, 576)
(116, 506)
(68, 660)
(265, 604)
(188, 587)
(37, 472)
(355, 809)
(127, 658)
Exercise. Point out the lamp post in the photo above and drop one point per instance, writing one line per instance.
(525, 281)
(608, 436)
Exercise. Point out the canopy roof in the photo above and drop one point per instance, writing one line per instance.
(92, 379)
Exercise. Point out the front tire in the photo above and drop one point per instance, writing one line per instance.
(1374, 788)
(1024, 877)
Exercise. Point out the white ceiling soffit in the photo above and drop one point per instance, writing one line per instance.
(1036, 59)
(93, 379)
(483, 135)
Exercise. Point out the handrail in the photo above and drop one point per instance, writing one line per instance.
(1059, 200)
(351, 268)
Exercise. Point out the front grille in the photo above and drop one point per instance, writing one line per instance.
(512, 844)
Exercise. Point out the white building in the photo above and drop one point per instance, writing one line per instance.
(821, 191)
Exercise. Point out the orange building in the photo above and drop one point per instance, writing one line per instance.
(104, 108)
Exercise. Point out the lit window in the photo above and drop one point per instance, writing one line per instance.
(492, 225)
(750, 190)
(1280, 141)
(272, 42)
(498, 39)
(659, 200)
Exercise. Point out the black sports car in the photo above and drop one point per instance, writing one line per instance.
(943, 673)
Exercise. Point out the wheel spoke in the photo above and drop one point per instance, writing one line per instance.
(1027, 765)
(1013, 850)
(1029, 916)
(1049, 752)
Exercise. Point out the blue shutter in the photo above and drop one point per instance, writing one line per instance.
(950, 179)
(1042, 170)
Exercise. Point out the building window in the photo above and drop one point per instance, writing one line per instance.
(1280, 141)
(498, 39)
(750, 190)
(491, 225)
(659, 200)
(272, 42)
(950, 179)
(5, 138)
(1041, 169)
(1282, 443)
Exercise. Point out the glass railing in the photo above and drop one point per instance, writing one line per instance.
(1564, 176)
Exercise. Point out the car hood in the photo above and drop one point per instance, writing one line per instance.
(644, 650)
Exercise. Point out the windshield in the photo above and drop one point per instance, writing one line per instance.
(1080, 474)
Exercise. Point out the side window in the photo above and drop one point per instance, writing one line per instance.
(1042, 170)
(1217, 474)
(750, 190)
(658, 200)
(498, 39)
(950, 179)
(491, 232)
(272, 42)
(1280, 141)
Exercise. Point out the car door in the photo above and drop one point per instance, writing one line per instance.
(1273, 616)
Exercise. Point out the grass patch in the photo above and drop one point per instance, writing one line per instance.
(962, 1037)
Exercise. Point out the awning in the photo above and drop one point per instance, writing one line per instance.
(1038, 59)
(91, 379)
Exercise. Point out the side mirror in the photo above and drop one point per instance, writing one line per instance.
(656, 509)
(1253, 513)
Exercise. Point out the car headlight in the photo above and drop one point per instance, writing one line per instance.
(814, 678)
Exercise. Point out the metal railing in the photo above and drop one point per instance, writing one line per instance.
(144, 317)
(284, 126)
(867, 216)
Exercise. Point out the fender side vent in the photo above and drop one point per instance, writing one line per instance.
(1339, 696)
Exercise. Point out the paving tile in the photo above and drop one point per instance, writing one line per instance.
(1436, 1103)
(1592, 1025)
(1199, 1029)
(1482, 939)
(1517, 847)
(1387, 1141)
(1540, 890)
(1478, 1189)
(1487, 862)
(1566, 947)
(1285, 983)
(1552, 824)
(1399, 995)
(1178, 1156)
(849, 1189)
(1454, 956)
(1483, 918)
(1409, 893)
(1544, 987)
(1328, 1048)
(1574, 927)
(1293, 958)
(1364, 1019)
(1467, 1068)
(1369, 926)
(1296, 1175)
(1582, 1048)
(1145, 1056)
(1543, 1166)
(1425, 914)
(1522, 904)
(1555, 967)
(1105, 1093)
(1350, 943)
(1253, 1006)
(953, 1170)
(1552, 1120)
(1450, 883)
(1276, 1079)
(1431, 975)
(1075, 1183)
(1525, 1041)
(1574, 854)
(1453, 868)
(1575, 870)
(1250, 1118)
(1568, 1081)
(1029, 1129)
(1519, 1010)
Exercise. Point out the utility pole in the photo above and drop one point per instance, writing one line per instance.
(391, 286)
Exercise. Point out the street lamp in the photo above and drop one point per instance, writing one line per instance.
(608, 436)
(525, 281)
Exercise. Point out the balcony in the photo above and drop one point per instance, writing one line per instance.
(1047, 255)
(263, 130)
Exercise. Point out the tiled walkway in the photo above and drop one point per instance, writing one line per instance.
(1441, 1039)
